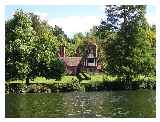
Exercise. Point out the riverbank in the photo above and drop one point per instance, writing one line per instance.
(96, 82)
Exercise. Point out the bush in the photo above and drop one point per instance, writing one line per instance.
(148, 82)
(56, 70)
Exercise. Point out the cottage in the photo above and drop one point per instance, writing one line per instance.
(86, 62)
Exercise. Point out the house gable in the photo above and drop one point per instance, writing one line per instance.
(82, 62)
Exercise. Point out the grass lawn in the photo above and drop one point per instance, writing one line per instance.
(94, 78)
(65, 79)
(91, 83)
(98, 78)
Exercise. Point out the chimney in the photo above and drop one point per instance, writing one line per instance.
(62, 51)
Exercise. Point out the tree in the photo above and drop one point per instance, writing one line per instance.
(122, 14)
(31, 48)
(130, 53)
(151, 35)
(19, 45)
(105, 36)
(47, 48)
(74, 45)
(78, 39)
(57, 69)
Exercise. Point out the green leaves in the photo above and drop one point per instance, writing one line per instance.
(130, 53)
(19, 38)
(31, 47)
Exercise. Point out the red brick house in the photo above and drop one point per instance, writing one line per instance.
(86, 62)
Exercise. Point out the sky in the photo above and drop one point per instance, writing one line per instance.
(72, 18)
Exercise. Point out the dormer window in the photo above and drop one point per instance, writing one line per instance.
(90, 60)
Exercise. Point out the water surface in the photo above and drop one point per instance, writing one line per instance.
(132, 103)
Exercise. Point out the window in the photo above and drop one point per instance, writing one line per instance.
(90, 60)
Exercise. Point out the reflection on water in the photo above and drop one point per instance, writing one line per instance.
(138, 103)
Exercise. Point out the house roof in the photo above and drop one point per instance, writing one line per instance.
(71, 61)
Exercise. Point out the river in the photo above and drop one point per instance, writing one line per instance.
(110, 104)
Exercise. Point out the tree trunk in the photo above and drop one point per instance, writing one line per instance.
(27, 81)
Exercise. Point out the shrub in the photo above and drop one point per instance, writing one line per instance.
(56, 69)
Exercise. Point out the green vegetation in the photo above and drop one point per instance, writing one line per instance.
(126, 52)
(129, 53)
(32, 48)
(96, 82)
(64, 79)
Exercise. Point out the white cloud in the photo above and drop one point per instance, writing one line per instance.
(75, 24)
(151, 19)
(102, 8)
(43, 15)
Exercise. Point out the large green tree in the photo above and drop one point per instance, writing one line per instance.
(19, 45)
(130, 53)
(46, 47)
(31, 48)
(104, 36)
